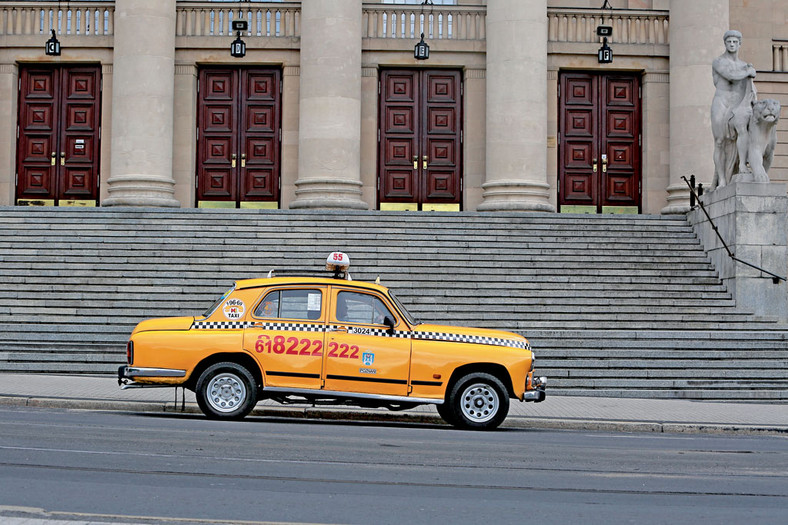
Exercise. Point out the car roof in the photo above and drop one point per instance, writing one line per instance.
(296, 281)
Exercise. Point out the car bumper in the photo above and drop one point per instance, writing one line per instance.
(128, 375)
(536, 393)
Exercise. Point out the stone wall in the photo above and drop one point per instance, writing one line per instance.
(752, 219)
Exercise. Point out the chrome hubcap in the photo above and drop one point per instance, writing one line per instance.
(226, 392)
(480, 403)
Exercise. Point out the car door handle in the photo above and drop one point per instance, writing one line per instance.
(338, 329)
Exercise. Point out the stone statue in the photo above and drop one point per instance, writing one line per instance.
(762, 138)
(743, 127)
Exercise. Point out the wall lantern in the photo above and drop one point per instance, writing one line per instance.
(53, 45)
(422, 50)
(238, 47)
(605, 53)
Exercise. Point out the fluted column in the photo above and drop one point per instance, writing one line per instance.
(142, 104)
(696, 30)
(329, 161)
(516, 165)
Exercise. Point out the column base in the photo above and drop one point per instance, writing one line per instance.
(516, 195)
(141, 191)
(328, 194)
(678, 200)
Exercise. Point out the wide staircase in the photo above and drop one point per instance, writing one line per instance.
(613, 305)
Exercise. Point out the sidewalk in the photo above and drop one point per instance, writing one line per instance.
(556, 412)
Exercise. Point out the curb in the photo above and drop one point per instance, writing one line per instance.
(367, 415)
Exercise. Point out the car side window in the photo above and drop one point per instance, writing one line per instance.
(290, 304)
(360, 308)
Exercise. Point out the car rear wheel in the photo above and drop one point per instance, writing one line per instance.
(477, 401)
(226, 391)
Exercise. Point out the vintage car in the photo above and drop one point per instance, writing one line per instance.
(331, 340)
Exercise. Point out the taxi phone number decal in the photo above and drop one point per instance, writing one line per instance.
(308, 347)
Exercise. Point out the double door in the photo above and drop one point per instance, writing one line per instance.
(58, 135)
(599, 153)
(238, 137)
(420, 148)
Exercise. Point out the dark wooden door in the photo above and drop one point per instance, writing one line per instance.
(420, 147)
(58, 145)
(238, 122)
(599, 153)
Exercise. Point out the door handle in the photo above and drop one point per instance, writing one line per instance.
(53, 160)
(232, 162)
(243, 160)
(604, 163)
(593, 165)
(415, 162)
(424, 162)
(338, 329)
(62, 158)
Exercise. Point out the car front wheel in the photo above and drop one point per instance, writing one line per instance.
(477, 401)
(226, 391)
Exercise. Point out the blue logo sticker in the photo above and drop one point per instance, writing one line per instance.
(367, 358)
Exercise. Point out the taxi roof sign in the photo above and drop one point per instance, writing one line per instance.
(337, 262)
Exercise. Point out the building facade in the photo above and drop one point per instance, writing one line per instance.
(329, 108)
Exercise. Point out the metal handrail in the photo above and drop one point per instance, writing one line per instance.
(775, 278)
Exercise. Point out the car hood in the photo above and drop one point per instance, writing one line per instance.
(164, 323)
(461, 331)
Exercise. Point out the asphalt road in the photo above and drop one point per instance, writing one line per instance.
(104, 466)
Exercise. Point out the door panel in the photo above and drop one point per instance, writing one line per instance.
(238, 142)
(78, 137)
(58, 146)
(287, 336)
(259, 164)
(359, 355)
(420, 151)
(621, 181)
(599, 153)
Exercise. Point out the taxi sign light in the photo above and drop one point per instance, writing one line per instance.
(338, 262)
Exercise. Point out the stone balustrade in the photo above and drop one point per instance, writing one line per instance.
(66, 18)
(629, 26)
(780, 56)
(449, 22)
(267, 19)
(283, 19)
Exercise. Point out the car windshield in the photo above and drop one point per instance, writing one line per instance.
(215, 305)
(408, 317)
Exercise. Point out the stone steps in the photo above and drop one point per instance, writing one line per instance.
(613, 305)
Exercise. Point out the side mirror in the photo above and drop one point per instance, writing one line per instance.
(389, 322)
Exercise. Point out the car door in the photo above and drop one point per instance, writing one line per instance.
(287, 335)
(362, 354)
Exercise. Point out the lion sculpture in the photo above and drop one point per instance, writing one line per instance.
(762, 131)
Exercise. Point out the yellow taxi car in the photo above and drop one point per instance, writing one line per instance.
(331, 340)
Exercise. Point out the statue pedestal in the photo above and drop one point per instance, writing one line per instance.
(752, 218)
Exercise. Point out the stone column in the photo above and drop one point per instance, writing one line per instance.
(329, 161)
(516, 165)
(8, 114)
(696, 30)
(142, 104)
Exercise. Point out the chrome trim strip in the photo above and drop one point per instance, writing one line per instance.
(334, 393)
(132, 371)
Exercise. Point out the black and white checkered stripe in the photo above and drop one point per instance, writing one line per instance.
(231, 325)
(291, 327)
(473, 339)
(377, 332)
(220, 325)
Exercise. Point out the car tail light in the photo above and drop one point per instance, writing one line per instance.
(130, 352)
